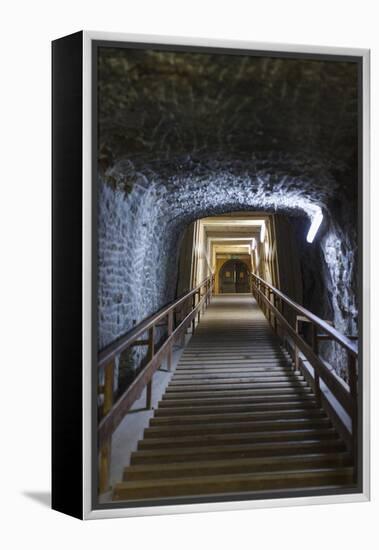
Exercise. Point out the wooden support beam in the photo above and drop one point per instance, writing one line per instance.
(275, 320)
(316, 374)
(105, 450)
(194, 319)
(104, 466)
(149, 387)
(297, 364)
(108, 387)
(353, 385)
(170, 322)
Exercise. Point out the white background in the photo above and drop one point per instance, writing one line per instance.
(27, 29)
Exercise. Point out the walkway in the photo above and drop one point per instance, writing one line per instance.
(235, 418)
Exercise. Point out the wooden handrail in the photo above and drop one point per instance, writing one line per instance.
(125, 341)
(115, 412)
(344, 341)
(264, 292)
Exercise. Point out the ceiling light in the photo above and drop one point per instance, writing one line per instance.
(316, 222)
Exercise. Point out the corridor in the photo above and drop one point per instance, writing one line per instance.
(235, 417)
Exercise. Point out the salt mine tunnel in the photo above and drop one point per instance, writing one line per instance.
(206, 159)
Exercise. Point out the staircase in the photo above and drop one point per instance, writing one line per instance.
(235, 418)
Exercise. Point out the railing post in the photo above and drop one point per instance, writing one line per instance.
(184, 330)
(194, 317)
(317, 377)
(353, 384)
(149, 386)
(183, 338)
(169, 332)
(296, 349)
(199, 310)
(282, 330)
(271, 315)
(275, 318)
(105, 450)
(108, 387)
(104, 466)
(269, 294)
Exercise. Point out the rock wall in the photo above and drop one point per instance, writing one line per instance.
(329, 279)
(133, 252)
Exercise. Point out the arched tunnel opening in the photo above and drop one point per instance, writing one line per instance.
(209, 158)
(151, 252)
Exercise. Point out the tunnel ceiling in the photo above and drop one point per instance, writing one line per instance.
(202, 114)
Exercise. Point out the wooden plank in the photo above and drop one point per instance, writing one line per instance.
(323, 477)
(149, 387)
(252, 426)
(224, 407)
(260, 449)
(104, 466)
(108, 387)
(239, 465)
(237, 416)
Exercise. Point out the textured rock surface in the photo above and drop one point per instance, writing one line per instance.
(183, 136)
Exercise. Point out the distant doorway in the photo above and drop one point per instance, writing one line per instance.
(234, 277)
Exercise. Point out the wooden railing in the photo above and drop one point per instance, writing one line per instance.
(176, 318)
(286, 317)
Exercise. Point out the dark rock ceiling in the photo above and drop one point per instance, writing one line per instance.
(178, 112)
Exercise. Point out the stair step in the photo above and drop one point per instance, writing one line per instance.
(241, 416)
(239, 353)
(236, 438)
(240, 465)
(182, 379)
(231, 483)
(215, 369)
(231, 392)
(222, 407)
(235, 417)
(201, 362)
(235, 427)
(253, 450)
(172, 388)
(235, 400)
(231, 357)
